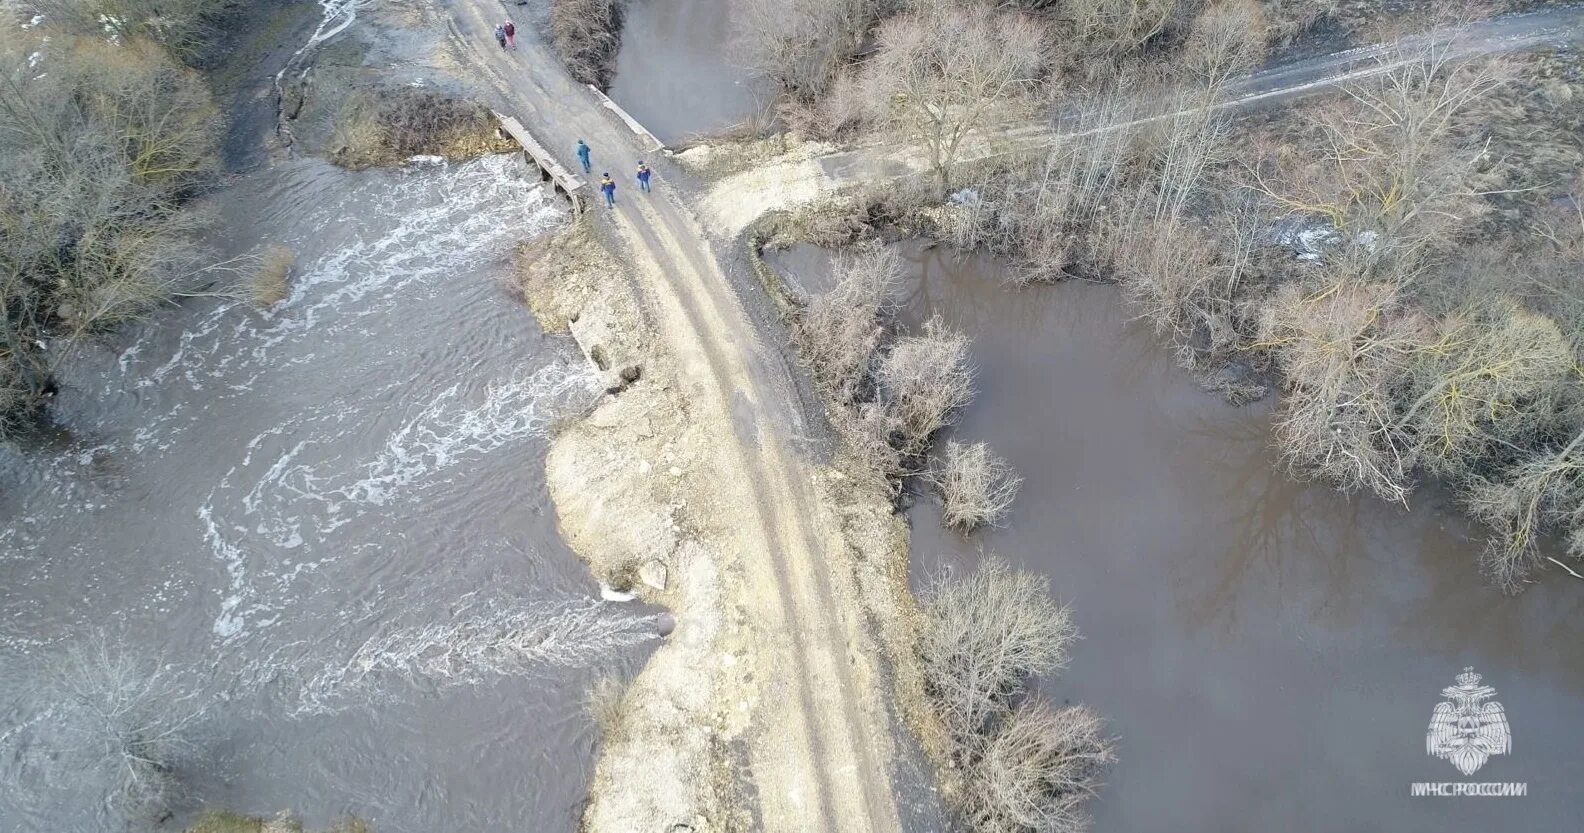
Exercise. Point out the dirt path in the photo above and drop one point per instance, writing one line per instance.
(738, 200)
(819, 750)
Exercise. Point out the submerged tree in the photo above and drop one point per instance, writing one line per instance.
(105, 728)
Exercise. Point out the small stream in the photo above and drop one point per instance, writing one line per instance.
(329, 520)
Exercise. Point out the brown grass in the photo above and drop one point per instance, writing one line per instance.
(389, 125)
(271, 281)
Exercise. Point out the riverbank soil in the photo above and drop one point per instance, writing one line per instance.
(769, 707)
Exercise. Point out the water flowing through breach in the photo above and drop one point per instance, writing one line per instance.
(328, 519)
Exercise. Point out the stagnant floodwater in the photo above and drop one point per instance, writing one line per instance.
(676, 74)
(1268, 652)
(329, 520)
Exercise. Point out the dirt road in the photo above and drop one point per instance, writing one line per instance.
(738, 200)
(819, 750)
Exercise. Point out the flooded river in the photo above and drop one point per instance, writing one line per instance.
(1269, 653)
(329, 520)
(675, 73)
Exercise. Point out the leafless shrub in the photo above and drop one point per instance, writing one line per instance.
(394, 124)
(272, 279)
(1028, 767)
(99, 147)
(1474, 383)
(1544, 491)
(185, 28)
(839, 331)
(1039, 771)
(977, 487)
(801, 46)
(943, 70)
(1345, 348)
(1227, 39)
(923, 381)
(116, 726)
(586, 35)
(984, 636)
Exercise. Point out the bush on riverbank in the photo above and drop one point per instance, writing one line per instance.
(390, 125)
(1027, 765)
(586, 35)
(976, 485)
(102, 142)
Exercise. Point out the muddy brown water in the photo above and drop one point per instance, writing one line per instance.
(675, 73)
(1269, 653)
(329, 520)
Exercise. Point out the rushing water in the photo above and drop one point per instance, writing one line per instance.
(329, 520)
(1268, 652)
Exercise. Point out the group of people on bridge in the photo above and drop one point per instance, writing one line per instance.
(608, 185)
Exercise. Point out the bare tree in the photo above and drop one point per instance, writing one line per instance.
(839, 331)
(113, 725)
(944, 70)
(923, 381)
(977, 487)
(984, 635)
(1226, 40)
(1388, 174)
(1039, 771)
(801, 46)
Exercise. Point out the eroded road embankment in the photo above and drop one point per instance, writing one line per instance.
(769, 702)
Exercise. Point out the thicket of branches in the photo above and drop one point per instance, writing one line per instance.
(103, 138)
(976, 485)
(1404, 343)
(1027, 765)
(586, 35)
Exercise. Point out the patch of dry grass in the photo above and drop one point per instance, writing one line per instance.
(271, 281)
(389, 125)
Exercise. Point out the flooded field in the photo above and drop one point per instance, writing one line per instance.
(1269, 653)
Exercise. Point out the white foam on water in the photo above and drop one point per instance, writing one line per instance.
(296, 498)
(481, 639)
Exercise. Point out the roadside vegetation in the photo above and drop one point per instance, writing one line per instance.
(586, 35)
(1394, 259)
(105, 135)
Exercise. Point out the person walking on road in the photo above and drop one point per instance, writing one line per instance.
(511, 33)
(608, 186)
(583, 156)
(500, 35)
(643, 176)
